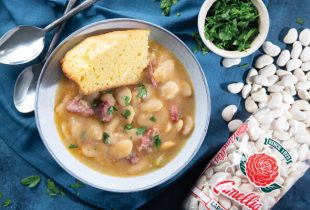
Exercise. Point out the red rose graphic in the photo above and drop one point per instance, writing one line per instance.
(242, 129)
(262, 169)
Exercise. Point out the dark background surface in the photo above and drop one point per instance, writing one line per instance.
(13, 168)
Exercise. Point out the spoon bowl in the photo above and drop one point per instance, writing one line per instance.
(21, 45)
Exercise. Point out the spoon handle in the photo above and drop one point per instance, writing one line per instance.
(56, 36)
(74, 11)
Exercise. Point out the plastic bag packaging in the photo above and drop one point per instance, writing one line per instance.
(258, 164)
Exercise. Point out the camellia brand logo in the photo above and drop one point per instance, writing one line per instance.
(250, 200)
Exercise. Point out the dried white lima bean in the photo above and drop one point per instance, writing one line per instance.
(291, 36)
(228, 112)
(246, 91)
(296, 49)
(252, 72)
(293, 64)
(303, 94)
(263, 60)
(261, 80)
(250, 105)
(283, 58)
(304, 37)
(275, 88)
(305, 66)
(229, 62)
(305, 54)
(300, 75)
(260, 95)
(272, 80)
(281, 72)
(235, 87)
(271, 49)
(234, 125)
(268, 70)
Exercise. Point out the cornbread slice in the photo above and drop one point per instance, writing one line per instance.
(108, 60)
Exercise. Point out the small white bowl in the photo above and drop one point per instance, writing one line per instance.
(263, 24)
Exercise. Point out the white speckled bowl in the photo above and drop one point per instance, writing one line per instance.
(257, 42)
(45, 98)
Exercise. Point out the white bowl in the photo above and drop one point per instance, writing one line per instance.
(263, 23)
(45, 99)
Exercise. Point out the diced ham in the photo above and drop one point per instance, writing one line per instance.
(103, 112)
(146, 140)
(174, 114)
(79, 106)
(133, 159)
(151, 69)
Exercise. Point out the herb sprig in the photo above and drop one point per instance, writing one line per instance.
(165, 6)
(31, 181)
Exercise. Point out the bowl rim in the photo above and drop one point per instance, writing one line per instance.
(263, 15)
(202, 135)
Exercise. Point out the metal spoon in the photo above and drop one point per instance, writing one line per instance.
(25, 85)
(24, 43)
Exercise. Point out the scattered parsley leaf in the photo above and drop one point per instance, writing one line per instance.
(178, 14)
(199, 46)
(111, 110)
(31, 181)
(165, 6)
(95, 103)
(142, 91)
(157, 141)
(106, 138)
(73, 146)
(7, 202)
(126, 113)
(244, 65)
(141, 131)
(126, 100)
(300, 21)
(62, 193)
(128, 127)
(153, 119)
(52, 190)
(1, 194)
(76, 185)
(232, 25)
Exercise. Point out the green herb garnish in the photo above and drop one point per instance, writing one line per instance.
(128, 127)
(111, 110)
(157, 141)
(199, 46)
(153, 119)
(73, 146)
(7, 202)
(30, 181)
(141, 130)
(244, 65)
(142, 91)
(52, 190)
(126, 113)
(126, 100)
(106, 138)
(232, 25)
(300, 21)
(178, 14)
(165, 6)
(95, 103)
(76, 185)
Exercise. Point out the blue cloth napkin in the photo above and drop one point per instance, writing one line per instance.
(19, 130)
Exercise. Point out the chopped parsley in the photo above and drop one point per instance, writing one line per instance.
(199, 46)
(245, 65)
(106, 138)
(73, 146)
(128, 127)
(178, 14)
(157, 141)
(126, 113)
(141, 131)
(52, 190)
(95, 103)
(111, 110)
(165, 6)
(153, 119)
(7, 202)
(300, 21)
(142, 91)
(30, 181)
(126, 100)
(76, 185)
(232, 25)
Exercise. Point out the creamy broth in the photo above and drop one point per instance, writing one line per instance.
(140, 132)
